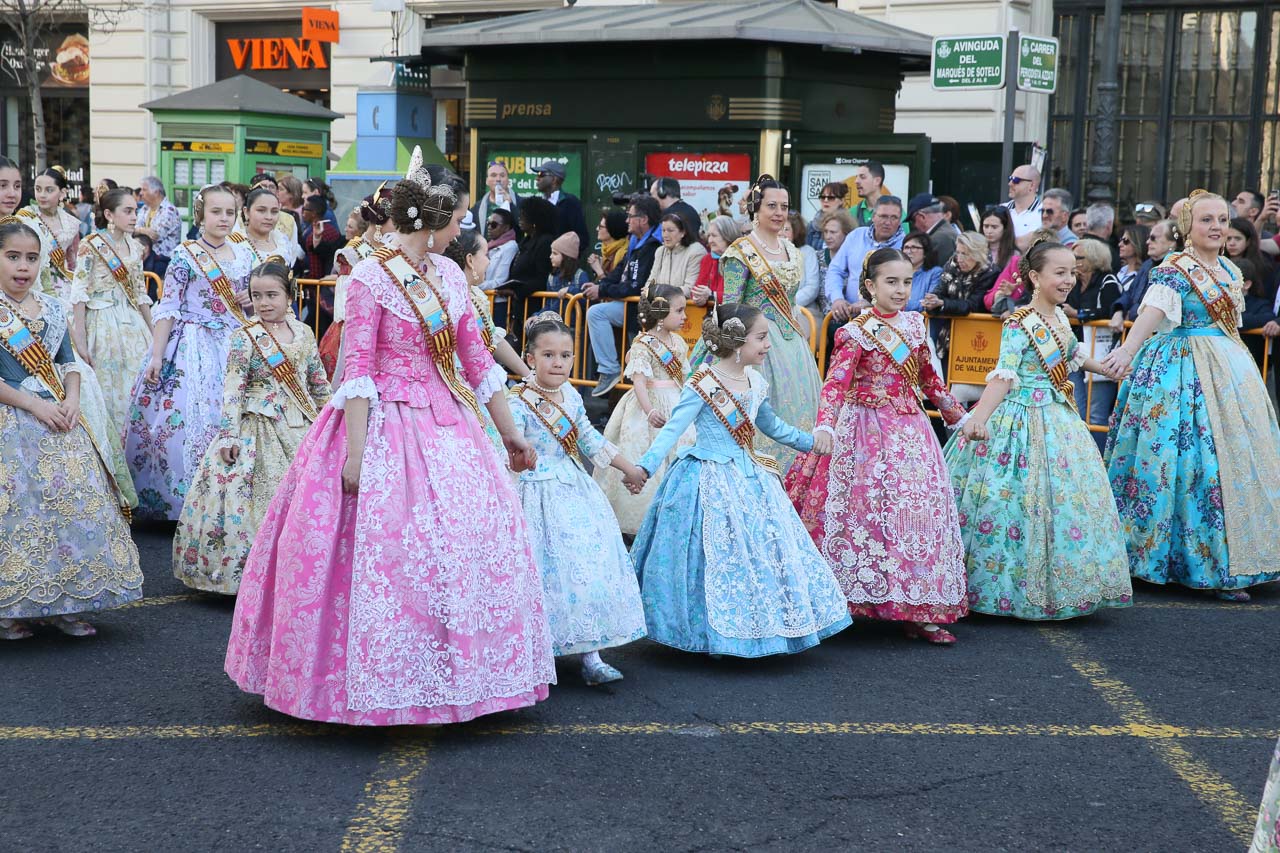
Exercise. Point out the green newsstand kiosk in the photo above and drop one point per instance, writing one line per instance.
(232, 129)
(711, 94)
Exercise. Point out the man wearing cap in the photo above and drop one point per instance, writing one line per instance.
(569, 215)
(926, 213)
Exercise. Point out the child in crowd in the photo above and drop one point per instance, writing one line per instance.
(656, 367)
(566, 277)
(589, 587)
(880, 508)
(725, 565)
(275, 387)
(64, 530)
(1039, 523)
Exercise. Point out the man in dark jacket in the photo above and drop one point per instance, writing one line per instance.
(627, 278)
(667, 192)
(569, 215)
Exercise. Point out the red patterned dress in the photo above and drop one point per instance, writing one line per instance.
(880, 508)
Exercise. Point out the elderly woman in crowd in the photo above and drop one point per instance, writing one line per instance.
(722, 232)
(925, 272)
(1093, 298)
(965, 280)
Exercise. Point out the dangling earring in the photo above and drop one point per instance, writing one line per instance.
(431, 240)
(737, 357)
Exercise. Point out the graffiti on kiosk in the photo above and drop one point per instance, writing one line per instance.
(611, 183)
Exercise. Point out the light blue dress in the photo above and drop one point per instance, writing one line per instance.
(1194, 450)
(590, 594)
(725, 564)
(1041, 536)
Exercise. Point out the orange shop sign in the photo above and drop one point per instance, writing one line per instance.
(268, 54)
(320, 24)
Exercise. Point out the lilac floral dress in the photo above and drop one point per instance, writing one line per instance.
(172, 424)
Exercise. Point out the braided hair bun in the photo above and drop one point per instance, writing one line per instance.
(725, 329)
(655, 305)
(755, 195)
(1035, 258)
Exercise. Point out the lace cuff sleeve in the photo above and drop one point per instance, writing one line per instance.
(360, 387)
(1077, 359)
(70, 367)
(1166, 299)
(604, 454)
(1005, 373)
(493, 382)
(825, 428)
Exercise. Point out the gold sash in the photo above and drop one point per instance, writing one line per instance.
(222, 286)
(109, 256)
(891, 343)
(732, 415)
(764, 274)
(282, 369)
(1049, 349)
(433, 315)
(669, 360)
(57, 255)
(483, 319)
(29, 350)
(553, 417)
(238, 237)
(1216, 298)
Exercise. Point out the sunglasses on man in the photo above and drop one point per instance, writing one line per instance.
(1014, 179)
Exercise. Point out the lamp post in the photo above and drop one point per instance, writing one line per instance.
(1107, 100)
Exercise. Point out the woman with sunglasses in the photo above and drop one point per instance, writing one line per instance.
(830, 198)
(1133, 254)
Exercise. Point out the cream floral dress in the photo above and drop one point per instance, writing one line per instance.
(227, 503)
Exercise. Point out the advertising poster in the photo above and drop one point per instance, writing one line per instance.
(702, 177)
(521, 164)
(61, 62)
(816, 175)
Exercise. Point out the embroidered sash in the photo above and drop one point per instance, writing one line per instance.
(29, 350)
(669, 360)
(732, 415)
(238, 237)
(1050, 351)
(553, 417)
(222, 286)
(109, 256)
(764, 274)
(1216, 298)
(57, 255)
(484, 321)
(282, 369)
(434, 317)
(889, 341)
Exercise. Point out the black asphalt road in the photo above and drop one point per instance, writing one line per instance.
(1145, 729)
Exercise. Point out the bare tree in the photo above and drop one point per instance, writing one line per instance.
(34, 21)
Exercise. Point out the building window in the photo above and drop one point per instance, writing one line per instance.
(1188, 116)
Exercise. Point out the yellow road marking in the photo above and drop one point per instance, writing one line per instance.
(1212, 789)
(160, 600)
(378, 822)
(1141, 729)
(1216, 606)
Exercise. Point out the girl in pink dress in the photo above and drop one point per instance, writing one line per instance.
(391, 582)
(880, 508)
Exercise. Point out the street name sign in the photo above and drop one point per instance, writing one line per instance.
(1038, 64)
(968, 62)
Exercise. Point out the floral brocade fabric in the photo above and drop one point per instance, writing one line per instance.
(1041, 535)
(880, 508)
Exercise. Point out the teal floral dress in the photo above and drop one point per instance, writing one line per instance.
(1194, 449)
(790, 368)
(1041, 535)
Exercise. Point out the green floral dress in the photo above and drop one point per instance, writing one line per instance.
(1041, 534)
(790, 369)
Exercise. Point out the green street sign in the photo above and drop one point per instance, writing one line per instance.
(968, 62)
(1037, 64)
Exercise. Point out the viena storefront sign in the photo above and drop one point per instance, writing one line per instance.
(286, 54)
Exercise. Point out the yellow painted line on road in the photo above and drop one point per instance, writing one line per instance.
(165, 732)
(160, 600)
(1143, 730)
(379, 819)
(1212, 789)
